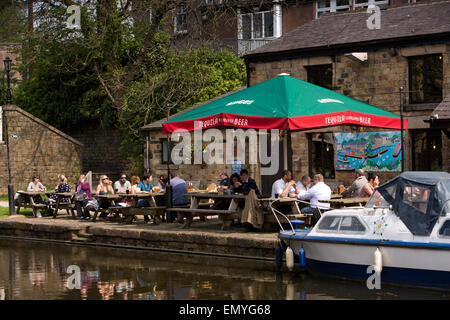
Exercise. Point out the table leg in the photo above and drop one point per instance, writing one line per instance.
(226, 223)
(56, 208)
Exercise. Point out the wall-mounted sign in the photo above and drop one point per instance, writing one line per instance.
(236, 166)
(371, 151)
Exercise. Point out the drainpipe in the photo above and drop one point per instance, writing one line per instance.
(247, 70)
(147, 163)
(277, 19)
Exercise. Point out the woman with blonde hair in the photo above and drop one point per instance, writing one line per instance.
(134, 185)
(104, 187)
(62, 187)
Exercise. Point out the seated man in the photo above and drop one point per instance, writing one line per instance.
(224, 181)
(304, 183)
(284, 187)
(179, 190)
(248, 183)
(122, 185)
(319, 191)
(355, 189)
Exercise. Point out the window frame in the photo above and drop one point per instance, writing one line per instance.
(180, 10)
(252, 25)
(308, 74)
(339, 231)
(163, 143)
(351, 6)
(441, 228)
(410, 77)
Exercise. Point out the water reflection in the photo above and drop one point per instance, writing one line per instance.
(38, 270)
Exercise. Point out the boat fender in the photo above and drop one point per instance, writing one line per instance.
(302, 257)
(289, 258)
(378, 261)
(278, 255)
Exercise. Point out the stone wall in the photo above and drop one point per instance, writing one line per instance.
(100, 153)
(36, 148)
(376, 83)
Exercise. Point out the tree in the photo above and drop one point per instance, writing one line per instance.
(120, 67)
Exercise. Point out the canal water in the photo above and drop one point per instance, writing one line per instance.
(38, 270)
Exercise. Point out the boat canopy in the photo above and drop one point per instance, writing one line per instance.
(418, 198)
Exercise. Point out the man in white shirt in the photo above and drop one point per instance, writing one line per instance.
(285, 186)
(122, 185)
(319, 191)
(304, 184)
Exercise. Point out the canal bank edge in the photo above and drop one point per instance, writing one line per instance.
(240, 245)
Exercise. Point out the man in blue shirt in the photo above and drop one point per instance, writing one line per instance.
(179, 189)
(146, 184)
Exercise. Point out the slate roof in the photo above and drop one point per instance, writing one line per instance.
(442, 111)
(349, 28)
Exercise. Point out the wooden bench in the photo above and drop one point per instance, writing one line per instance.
(154, 212)
(225, 215)
(37, 207)
(68, 205)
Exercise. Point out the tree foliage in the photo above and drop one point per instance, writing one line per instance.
(119, 68)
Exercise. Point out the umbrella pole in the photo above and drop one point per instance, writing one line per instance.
(168, 186)
(285, 152)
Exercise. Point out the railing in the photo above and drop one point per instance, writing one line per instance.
(245, 46)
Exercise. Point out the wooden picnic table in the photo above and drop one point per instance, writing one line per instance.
(68, 205)
(26, 200)
(130, 211)
(273, 203)
(227, 216)
(346, 202)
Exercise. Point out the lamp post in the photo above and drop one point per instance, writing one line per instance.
(401, 129)
(7, 62)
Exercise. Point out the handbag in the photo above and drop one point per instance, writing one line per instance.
(80, 195)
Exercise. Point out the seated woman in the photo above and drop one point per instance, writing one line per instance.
(62, 187)
(135, 182)
(104, 187)
(82, 197)
(36, 185)
(235, 183)
(370, 186)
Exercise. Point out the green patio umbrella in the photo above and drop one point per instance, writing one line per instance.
(284, 103)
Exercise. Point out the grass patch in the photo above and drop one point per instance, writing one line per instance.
(4, 212)
(4, 197)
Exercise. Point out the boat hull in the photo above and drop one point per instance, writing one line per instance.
(402, 265)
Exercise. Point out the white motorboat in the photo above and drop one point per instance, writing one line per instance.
(403, 232)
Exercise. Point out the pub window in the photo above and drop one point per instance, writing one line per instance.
(425, 79)
(164, 150)
(426, 149)
(322, 154)
(321, 75)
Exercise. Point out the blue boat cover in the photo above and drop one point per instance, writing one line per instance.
(418, 198)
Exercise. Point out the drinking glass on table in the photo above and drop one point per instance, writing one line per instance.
(156, 189)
